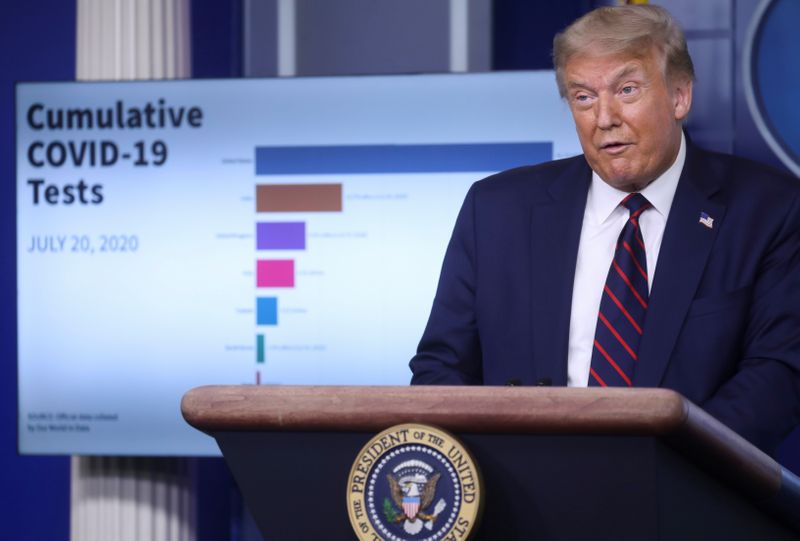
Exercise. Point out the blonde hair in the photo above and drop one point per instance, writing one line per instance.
(631, 29)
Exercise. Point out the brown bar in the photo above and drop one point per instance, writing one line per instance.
(298, 198)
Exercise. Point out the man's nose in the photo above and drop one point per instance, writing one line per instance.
(607, 113)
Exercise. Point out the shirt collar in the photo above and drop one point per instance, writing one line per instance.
(603, 199)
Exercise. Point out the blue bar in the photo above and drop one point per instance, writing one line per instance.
(487, 157)
(266, 311)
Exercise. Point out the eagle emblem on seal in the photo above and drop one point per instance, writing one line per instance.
(412, 486)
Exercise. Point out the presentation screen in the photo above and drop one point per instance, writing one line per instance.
(272, 231)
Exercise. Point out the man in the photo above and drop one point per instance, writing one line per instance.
(556, 274)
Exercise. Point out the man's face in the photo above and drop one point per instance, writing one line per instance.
(628, 116)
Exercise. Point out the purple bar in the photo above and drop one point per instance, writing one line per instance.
(281, 236)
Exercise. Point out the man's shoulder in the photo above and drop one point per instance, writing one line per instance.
(738, 175)
(532, 179)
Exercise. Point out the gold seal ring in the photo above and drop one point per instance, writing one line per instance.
(414, 482)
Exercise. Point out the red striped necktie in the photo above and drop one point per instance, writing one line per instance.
(623, 306)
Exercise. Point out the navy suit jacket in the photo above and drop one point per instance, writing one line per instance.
(723, 323)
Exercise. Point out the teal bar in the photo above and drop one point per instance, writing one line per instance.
(260, 348)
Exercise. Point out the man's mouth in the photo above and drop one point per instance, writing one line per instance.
(614, 147)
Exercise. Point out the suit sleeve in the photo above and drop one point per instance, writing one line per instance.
(761, 401)
(449, 352)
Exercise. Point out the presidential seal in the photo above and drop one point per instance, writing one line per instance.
(414, 482)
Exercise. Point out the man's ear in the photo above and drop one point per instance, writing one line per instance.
(682, 97)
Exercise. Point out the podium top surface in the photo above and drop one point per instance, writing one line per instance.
(511, 410)
(474, 409)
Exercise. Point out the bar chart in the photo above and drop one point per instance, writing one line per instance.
(278, 193)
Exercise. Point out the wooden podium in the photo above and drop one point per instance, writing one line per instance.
(557, 463)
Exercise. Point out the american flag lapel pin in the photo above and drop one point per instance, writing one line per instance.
(706, 220)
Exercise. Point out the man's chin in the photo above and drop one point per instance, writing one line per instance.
(623, 182)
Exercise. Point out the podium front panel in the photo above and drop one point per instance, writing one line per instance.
(548, 487)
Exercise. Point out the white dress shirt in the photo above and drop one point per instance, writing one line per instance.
(603, 220)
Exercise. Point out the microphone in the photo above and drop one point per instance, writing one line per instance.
(541, 382)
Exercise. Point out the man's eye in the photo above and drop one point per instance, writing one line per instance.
(627, 90)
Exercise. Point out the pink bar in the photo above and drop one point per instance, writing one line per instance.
(275, 273)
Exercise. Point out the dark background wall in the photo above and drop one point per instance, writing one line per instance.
(216, 39)
(37, 43)
(523, 31)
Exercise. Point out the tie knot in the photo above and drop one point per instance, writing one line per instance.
(635, 203)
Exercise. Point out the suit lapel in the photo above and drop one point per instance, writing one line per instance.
(556, 220)
(681, 261)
